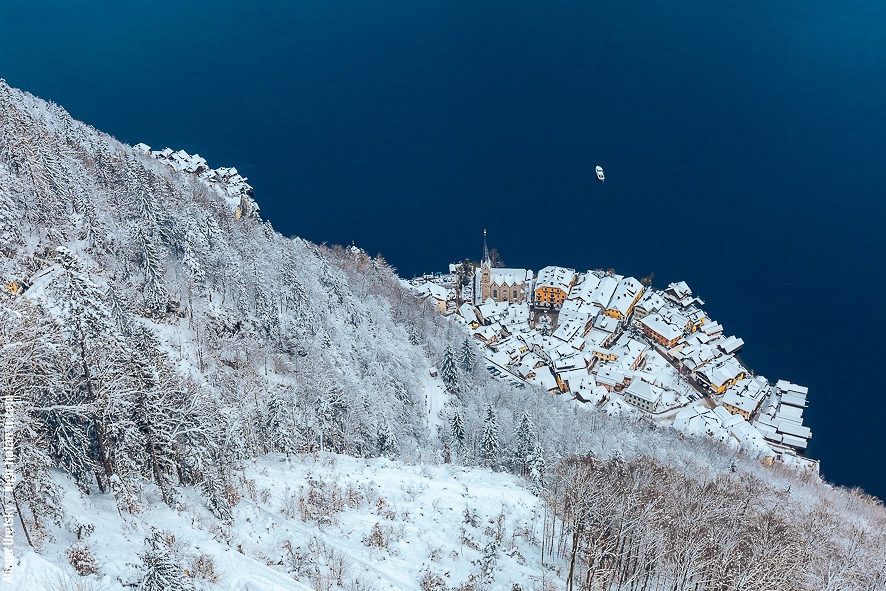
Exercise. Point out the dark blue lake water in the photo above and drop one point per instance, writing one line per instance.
(744, 147)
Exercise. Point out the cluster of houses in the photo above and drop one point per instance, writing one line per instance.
(236, 191)
(610, 340)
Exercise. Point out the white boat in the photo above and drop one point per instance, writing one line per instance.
(600, 173)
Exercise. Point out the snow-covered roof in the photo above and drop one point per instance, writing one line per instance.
(467, 312)
(659, 326)
(789, 413)
(607, 374)
(722, 371)
(544, 378)
(712, 328)
(509, 277)
(566, 330)
(644, 391)
(731, 345)
(791, 428)
(605, 323)
(584, 286)
(625, 293)
(555, 277)
(600, 297)
(786, 386)
(651, 302)
(793, 399)
(746, 394)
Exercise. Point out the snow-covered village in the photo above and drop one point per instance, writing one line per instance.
(619, 344)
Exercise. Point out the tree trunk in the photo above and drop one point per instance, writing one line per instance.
(21, 518)
(156, 467)
(99, 434)
(572, 560)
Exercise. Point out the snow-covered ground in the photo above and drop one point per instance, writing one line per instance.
(314, 522)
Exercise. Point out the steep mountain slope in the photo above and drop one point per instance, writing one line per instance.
(167, 359)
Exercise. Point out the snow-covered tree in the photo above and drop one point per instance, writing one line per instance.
(213, 489)
(154, 291)
(543, 325)
(161, 573)
(468, 356)
(488, 562)
(536, 468)
(457, 429)
(449, 371)
(387, 440)
(526, 439)
(489, 444)
(92, 339)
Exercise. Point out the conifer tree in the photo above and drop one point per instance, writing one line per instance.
(161, 572)
(526, 440)
(154, 289)
(543, 326)
(457, 429)
(468, 356)
(213, 489)
(92, 339)
(278, 421)
(448, 371)
(487, 562)
(387, 440)
(489, 441)
(536, 472)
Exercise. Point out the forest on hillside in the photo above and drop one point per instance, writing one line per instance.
(152, 342)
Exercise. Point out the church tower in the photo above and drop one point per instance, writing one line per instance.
(485, 272)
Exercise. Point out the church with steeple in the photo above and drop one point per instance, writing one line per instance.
(501, 284)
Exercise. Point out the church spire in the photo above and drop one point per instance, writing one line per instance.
(485, 251)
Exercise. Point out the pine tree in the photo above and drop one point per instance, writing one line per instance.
(213, 489)
(536, 463)
(489, 441)
(161, 572)
(457, 429)
(543, 326)
(487, 562)
(468, 356)
(156, 296)
(278, 421)
(526, 440)
(331, 411)
(448, 371)
(387, 440)
(119, 315)
(92, 341)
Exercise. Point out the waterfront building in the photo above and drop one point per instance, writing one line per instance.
(745, 396)
(625, 297)
(722, 374)
(552, 286)
(603, 293)
(650, 303)
(661, 331)
(499, 283)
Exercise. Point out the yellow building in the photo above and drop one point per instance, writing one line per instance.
(552, 286)
(626, 296)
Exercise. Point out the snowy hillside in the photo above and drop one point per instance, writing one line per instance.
(172, 368)
(320, 521)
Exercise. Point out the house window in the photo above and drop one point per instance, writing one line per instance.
(515, 294)
(494, 293)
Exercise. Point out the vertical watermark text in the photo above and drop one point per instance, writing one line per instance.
(9, 508)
